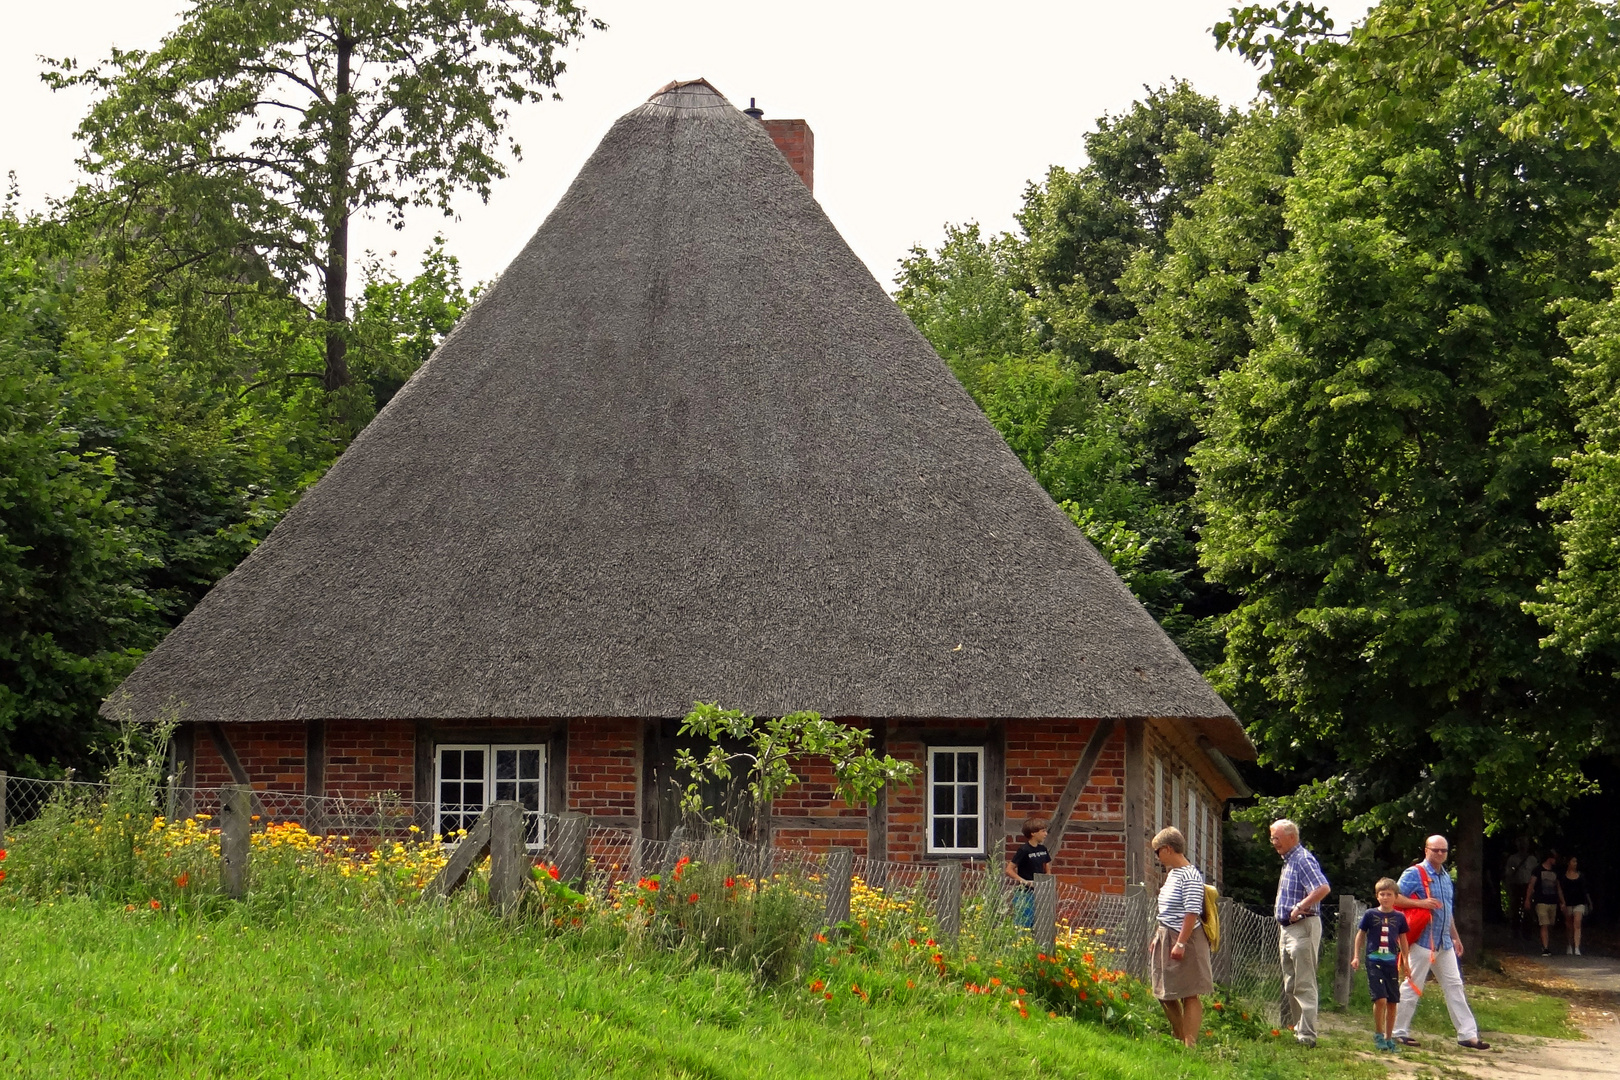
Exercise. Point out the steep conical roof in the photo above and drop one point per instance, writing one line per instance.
(686, 447)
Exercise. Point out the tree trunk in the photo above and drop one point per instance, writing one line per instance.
(1468, 852)
(337, 255)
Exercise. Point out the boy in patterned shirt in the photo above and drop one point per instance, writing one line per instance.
(1383, 934)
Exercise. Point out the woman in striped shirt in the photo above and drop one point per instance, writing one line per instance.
(1178, 958)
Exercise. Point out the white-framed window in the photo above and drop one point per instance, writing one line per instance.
(956, 799)
(1158, 793)
(470, 776)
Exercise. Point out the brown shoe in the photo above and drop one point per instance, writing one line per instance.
(1407, 1040)
(1475, 1044)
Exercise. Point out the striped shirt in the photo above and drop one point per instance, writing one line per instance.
(1181, 894)
(1301, 874)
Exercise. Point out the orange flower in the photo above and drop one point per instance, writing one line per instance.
(2, 875)
(692, 899)
(2, 854)
(129, 907)
(731, 883)
(994, 981)
(817, 986)
(1217, 1006)
(910, 985)
(1275, 1033)
(821, 938)
(183, 880)
(828, 995)
(155, 905)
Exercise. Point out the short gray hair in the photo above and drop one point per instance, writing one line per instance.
(1286, 827)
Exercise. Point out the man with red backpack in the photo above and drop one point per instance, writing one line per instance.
(1426, 898)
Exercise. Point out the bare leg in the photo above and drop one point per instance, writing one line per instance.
(1172, 1010)
(1575, 929)
(1192, 1018)
(1545, 934)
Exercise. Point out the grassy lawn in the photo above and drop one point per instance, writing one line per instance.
(1516, 1012)
(88, 989)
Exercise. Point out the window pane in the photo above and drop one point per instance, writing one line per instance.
(967, 768)
(967, 799)
(505, 790)
(450, 764)
(449, 795)
(945, 767)
(944, 799)
(472, 764)
(506, 764)
(944, 832)
(529, 795)
(967, 832)
(528, 764)
(472, 796)
(531, 828)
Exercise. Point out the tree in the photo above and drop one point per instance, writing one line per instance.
(275, 123)
(767, 750)
(1374, 471)
(1041, 329)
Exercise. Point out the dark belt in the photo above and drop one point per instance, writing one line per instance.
(1303, 915)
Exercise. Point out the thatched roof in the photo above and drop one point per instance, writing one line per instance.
(686, 447)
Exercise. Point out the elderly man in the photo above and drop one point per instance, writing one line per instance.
(1299, 895)
(1437, 949)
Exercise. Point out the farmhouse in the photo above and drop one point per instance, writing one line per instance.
(687, 448)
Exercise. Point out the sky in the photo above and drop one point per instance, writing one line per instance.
(924, 111)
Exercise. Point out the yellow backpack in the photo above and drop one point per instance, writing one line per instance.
(1212, 917)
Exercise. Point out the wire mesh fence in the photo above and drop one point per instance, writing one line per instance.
(974, 900)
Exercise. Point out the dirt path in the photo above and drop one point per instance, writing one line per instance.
(1591, 983)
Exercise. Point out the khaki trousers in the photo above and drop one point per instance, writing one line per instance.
(1300, 947)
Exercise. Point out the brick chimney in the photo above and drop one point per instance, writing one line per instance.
(796, 141)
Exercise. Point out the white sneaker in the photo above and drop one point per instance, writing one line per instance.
(1577, 950)
(1569, 950)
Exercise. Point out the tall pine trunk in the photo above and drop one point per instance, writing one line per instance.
(337, 257)
(1468, 852)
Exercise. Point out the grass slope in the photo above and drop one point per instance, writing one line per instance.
(92, 990)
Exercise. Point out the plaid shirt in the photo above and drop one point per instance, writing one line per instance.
(1438, 935)
(1300, 874)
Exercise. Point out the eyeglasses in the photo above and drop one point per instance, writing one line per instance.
(1439, 850)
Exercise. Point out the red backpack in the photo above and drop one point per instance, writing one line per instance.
(1417, 918)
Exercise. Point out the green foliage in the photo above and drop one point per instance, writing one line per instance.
(249, 138)
(1582, 605)
(1042, 330)
(1559, 56)
(1374, 468)
(768, 749)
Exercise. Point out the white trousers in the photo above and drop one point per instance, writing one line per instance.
(1449, 975)
(1300, 947)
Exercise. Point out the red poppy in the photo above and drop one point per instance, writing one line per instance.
(828, 995)
(2, 854)
(731, 883)
(155, 905)
(692, 899)
(183, 880)
(2, 875)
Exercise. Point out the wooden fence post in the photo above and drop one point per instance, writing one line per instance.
(840, 865)
(948, 907)
(2, 805)
(1138, 926)
(672, 855)
(573, 831)
(1349, 916)
(235, 830)
(168, 799)
(1045, 926)
(508, 861)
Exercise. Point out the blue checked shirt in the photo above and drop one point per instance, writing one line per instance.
(1300, 874)
(1438, 935)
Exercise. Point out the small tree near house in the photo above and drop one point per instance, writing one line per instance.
(761, 753)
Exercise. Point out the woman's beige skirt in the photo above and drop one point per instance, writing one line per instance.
(1176, 979)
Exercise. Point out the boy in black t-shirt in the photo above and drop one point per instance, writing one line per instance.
(1383, 934)
(1030, 859)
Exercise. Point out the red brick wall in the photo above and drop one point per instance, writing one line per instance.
(272, 754)
(604, 767)
(816, 796)
(798, 144)
(1041, 756)
(364, 757)
(907, 811)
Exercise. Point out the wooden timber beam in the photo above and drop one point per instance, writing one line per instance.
(1077, 783)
